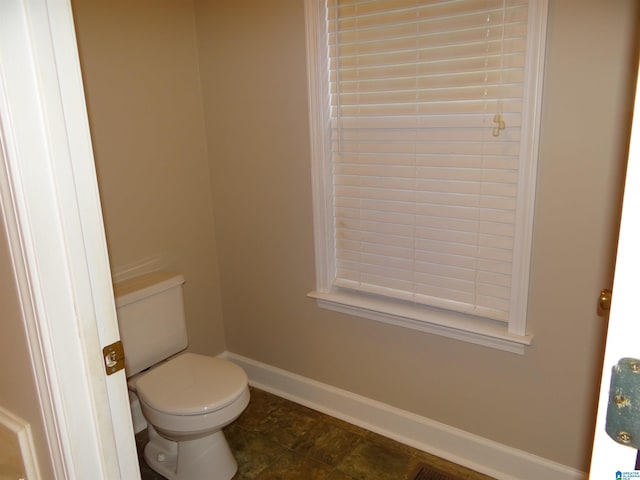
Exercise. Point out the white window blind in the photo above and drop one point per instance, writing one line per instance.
(425, 178)
(425, 155)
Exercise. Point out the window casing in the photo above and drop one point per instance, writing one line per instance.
(424, 122)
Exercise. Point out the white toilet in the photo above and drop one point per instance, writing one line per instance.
(185, 398)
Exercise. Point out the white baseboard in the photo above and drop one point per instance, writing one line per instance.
(477, 453)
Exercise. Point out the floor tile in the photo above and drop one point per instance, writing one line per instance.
(332, 444)
(253, 452)
(293, 466)
(372, 460)
(294, 428)
(261, 405)
(338, 475)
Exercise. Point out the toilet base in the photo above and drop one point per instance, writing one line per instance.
(207, 457)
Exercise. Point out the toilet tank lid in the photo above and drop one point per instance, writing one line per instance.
(134, 289)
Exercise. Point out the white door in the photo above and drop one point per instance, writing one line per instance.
(49, 199)
(611, 459)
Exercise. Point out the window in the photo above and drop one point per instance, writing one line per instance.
(424, 123)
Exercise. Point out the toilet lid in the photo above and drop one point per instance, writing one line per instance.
(192, 384)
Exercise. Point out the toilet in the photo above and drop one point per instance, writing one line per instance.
(185, 398)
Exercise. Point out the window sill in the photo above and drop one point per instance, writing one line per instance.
(439, 322)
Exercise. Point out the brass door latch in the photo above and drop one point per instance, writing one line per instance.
(113, 356)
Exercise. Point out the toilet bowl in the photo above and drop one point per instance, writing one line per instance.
(185, 398)
(185, 412)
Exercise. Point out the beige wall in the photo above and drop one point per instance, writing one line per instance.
(165, 175)
(18, 390)
(139, 64)
(252, 58)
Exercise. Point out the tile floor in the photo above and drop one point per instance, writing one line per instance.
(278, 439)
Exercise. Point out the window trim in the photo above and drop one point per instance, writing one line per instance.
(511, 336)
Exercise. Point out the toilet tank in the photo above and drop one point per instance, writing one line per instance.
(150, 318)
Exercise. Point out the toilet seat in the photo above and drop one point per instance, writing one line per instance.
(192, 384)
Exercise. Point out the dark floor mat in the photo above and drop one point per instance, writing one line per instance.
(427, 472)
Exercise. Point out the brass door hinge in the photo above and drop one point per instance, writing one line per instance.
(113, 357)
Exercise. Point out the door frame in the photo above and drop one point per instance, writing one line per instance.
(51, 209)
